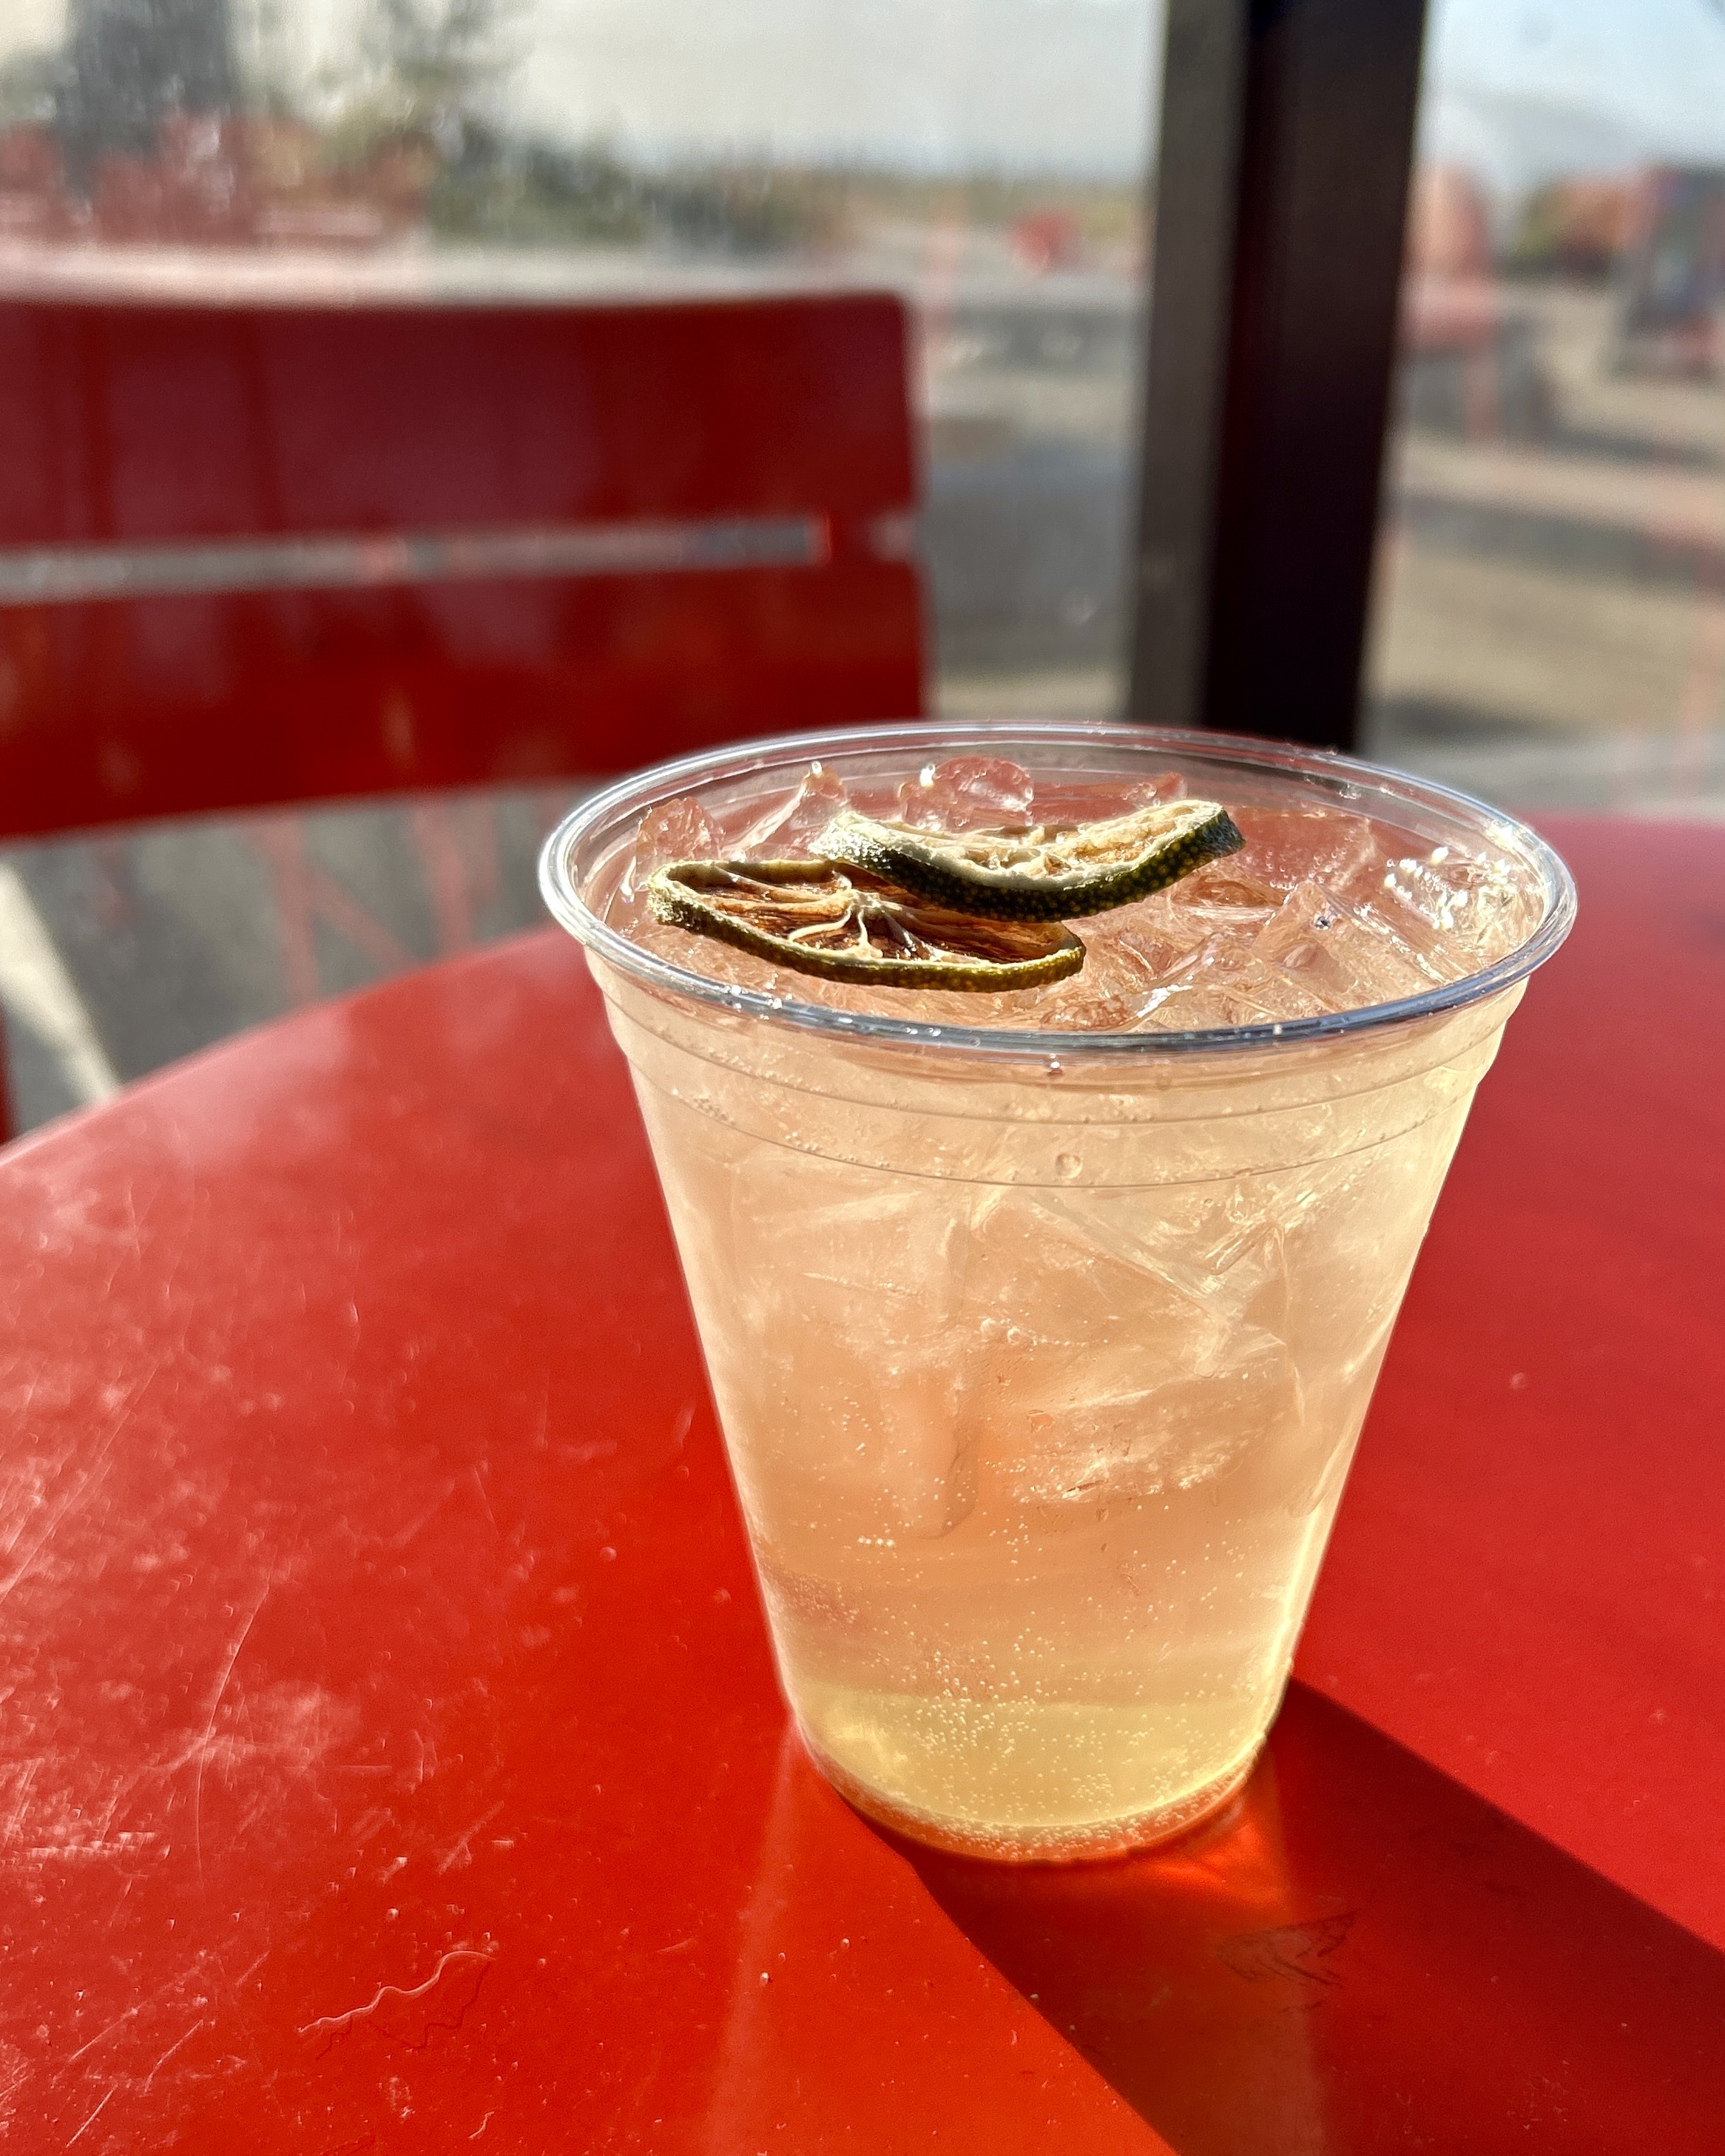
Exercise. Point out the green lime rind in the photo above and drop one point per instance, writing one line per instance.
(828, 919)
(1016, 875)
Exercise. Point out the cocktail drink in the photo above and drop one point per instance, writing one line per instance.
(1042, 1321)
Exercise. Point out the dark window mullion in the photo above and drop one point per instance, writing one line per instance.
(1286, 141)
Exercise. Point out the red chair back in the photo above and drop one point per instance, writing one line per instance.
(255, 555)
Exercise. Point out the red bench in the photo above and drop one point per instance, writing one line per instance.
(252, 555)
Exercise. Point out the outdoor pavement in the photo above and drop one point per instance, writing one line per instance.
(122, 952)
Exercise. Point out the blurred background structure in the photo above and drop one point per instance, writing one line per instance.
(1549, 616)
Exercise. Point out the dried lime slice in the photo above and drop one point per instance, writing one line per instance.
(1041, 872)
(818, 917)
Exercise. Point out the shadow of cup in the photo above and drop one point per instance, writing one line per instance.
(1362, 1956)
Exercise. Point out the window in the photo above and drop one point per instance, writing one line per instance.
(1550, 624)
(985, 159)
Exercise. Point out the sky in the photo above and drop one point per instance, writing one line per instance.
(941, 84)
(1518, 89)
(1523, 90)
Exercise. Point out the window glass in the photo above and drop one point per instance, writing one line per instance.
(1550, 624)
(984, 158)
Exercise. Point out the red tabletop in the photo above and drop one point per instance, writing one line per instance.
(390, 1758)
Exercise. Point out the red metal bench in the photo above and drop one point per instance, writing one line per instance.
(272, 554)
(265, 554)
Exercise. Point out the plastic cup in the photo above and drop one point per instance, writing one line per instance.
(1041, 1357)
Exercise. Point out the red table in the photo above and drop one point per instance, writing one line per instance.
(389, 1755)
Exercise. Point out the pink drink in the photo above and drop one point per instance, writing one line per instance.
(1042, 1326)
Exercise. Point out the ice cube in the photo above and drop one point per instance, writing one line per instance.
(1107, 994)
(850, 1297)
(1247, 989)
(1166, 967)
(967, 794)
(789, 830)
(1134, 1355)
(1156, 941)
(1126, 954)
(1159, 786)
(704, 955)
(1155, 937)
(1286, 847)
(679, 830)
(851, 1254)
(1176, 1007)
(1014, 1009)
(1222, 897)
(1259, 1214)
(1148, 1234)
(1344, 960)
(1107, 1444)
(1093, 800)
(1463, 913)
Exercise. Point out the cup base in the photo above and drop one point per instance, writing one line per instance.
(1092, 1843)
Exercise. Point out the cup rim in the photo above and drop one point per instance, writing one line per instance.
(1347, 777)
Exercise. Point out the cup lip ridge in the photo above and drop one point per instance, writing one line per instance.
(644, 789)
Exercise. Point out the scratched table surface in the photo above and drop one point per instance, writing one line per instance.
(389, 1754)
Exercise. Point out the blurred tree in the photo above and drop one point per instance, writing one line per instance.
(427, 70)
(29, 89)
(127, 64)
(271, 65)
(527, 190)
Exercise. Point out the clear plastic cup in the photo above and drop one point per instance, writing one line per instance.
(1041, 1357)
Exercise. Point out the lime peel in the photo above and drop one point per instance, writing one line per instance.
(844, 924)
(1039, 873)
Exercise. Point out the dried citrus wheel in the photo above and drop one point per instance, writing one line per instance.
(1041, 872)
(818, 917)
